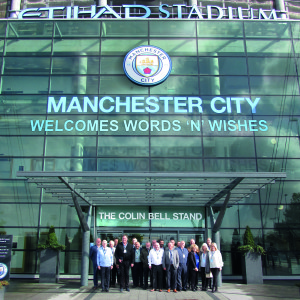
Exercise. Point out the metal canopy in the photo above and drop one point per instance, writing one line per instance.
(150, 188)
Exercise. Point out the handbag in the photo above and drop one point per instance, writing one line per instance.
(208, 275)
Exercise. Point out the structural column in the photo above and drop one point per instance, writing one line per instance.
(280, 6)
(86, 251)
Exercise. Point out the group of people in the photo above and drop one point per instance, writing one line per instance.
(175, 268)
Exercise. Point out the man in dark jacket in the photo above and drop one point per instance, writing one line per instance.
(124, 258)
(137, 270)
(144, 259)
(93, 255)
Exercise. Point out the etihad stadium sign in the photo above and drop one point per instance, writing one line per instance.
(165, 11)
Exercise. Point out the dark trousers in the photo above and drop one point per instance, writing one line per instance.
(146, 272)
(182, 277)
(105, 277)
(192, 278)
(124, 273)
(157, 277)
(96, 274)
(171, 277)
(137, 274)
(204, 279)
(215, 273)
(113, 274)
(151, 276)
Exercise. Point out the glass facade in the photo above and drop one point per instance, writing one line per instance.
(229, 61)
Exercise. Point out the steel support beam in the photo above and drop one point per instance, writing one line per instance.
(82, 220)
(86, 251)
(219, 220)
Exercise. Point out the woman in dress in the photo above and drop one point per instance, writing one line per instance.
(193, 270)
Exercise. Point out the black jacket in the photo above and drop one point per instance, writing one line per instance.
(128, 256)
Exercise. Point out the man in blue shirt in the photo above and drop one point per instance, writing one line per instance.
(93, 255)
(182, 269)
(105, 264)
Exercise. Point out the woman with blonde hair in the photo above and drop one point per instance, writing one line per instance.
(216, 264)
(204, 265)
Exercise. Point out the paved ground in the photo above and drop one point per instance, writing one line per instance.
(70, 289)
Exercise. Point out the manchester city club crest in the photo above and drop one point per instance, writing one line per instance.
(147, 65)
(3, 270)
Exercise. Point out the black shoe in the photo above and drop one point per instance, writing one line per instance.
(204, 289)
(107, 290)
(184, 290)
(127, 289)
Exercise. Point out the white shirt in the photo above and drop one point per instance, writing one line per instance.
(215, 259)
(155, 257)
(203, 259)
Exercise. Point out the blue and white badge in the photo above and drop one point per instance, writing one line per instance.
(147, 65)
(3, 270)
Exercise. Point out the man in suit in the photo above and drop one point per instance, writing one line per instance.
(124, 258)
(137, 270)
(182, 269)
(93, 256)
(144, 258)
(170, 264)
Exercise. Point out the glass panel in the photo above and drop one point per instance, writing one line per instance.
(267, 29)
(269, 48)
(231, 217)
(275, 105)
(74, 85)
(225, 85)
(222, 66)
(228, 147)
(290, 166)
(280, 126)
(76, 47)
(250, 216)
(184, 66)
(280, 193)
(78, 146)
(70, 164)
(19, 215)
(271, 66)
(120, 46)
(176, 147)
(113, 28)
(26, 65)
(19, 191)
(23, 104)
(74, 28)
(123, 164)
(20, 125)
(278, 147)
(59, 216)
(10, 166)
(30, 29)
(21, 146)
(24, 84)
(27, 47)
(125, 86)
(25, 238)
(267, 85)
(220, 29)
(123, 146)
(213, 47)
(176, 47)
(172, 29)
(229, 165)
(178, 85)
(23, 262)
(2, 28)
(112, 65)
(180, 165)
(75, 65)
